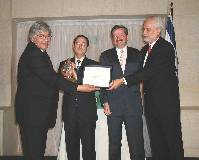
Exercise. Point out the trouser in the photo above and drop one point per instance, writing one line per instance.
(84, 131)
(165, 136)
(134, 132)
(33, 142)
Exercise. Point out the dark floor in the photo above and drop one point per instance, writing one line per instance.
(20, 158)
(55, 158)
(186, 158)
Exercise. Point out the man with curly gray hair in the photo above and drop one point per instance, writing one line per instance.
(37, 95)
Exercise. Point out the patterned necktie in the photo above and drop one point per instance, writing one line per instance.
(78, 64)
(122, 58)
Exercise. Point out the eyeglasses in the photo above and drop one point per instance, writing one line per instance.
(41, 36)
(81, 44)
(117, 36)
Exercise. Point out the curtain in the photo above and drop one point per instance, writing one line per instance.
(63, 33)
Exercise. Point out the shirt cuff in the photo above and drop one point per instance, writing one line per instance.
(124, 80)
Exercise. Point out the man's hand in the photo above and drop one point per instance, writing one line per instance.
(115, 84)
(107, 110)
(87, 88)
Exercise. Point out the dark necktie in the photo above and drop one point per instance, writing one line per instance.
(78, 64)
(149, 50)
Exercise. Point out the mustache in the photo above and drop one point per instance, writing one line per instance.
(119, 40)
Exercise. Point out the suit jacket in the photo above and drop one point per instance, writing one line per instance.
(80, 105)
(37, 91)
(159, 77)
(124, 99)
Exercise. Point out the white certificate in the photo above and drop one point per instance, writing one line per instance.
(97, 75)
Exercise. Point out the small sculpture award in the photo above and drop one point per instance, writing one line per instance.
(68, 70)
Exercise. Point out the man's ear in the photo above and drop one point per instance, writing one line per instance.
(159, 31)
(32, 39)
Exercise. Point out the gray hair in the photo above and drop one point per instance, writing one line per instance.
(158, 22)
(37, 27)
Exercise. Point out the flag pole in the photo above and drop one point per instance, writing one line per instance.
(171, 10)
(170, 33)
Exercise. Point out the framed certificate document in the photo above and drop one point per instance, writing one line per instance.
(97, 75)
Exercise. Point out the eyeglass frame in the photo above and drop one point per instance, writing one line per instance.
(43, 36)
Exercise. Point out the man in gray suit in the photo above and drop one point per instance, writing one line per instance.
(124, 104)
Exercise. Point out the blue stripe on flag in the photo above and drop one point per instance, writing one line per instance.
(170, 37)
(170, 30)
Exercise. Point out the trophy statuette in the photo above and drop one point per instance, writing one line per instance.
(68, 71)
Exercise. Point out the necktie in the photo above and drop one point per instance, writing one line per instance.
(78, 64)
(122, 58)
(149, 49)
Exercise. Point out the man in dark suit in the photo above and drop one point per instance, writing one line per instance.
(37, 92)
(124, 104)
(79, 110)
(161, 92)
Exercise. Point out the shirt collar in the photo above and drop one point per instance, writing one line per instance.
(124, 49)
(42, 50)
(81, 59)
(152, 44)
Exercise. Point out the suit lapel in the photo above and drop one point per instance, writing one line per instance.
(145, 56)
(153, 51)
(81, 70)
(46, 56)
(157, 44)
(114, 56)
(127, 59)
(116, 60)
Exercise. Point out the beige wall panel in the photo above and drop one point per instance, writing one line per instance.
(187, 46)
(5, 9)
(189, 78)
(5, 53)
(10, 133)
(186, 28)
(190, 130)
(186, 7)
(36, 8)
(110, 7)
(1, 132)
(64, 8)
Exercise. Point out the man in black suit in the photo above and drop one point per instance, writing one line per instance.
(79, 111)
(161, 92)
(37, 92)
(124, 104)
